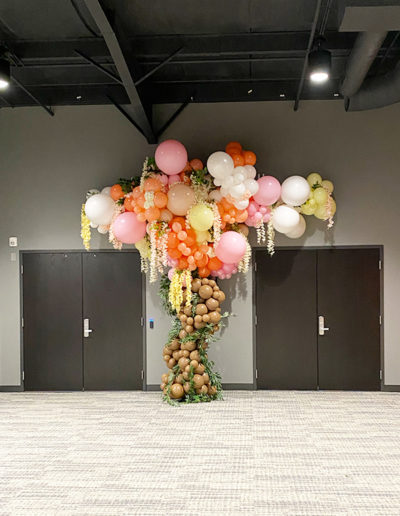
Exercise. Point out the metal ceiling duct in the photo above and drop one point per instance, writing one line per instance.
(365, 49)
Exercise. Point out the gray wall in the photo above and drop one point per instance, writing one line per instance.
(46, 165)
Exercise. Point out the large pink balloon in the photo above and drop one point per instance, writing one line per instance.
(231, 247)
(269, 191)
(171, 157)
(128, 229)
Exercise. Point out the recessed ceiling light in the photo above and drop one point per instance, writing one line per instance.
(319, 62)
(249, 91)
(4, 74)
(78, 97)
(282, 95)
(336, 94)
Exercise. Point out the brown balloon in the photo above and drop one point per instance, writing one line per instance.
(206, 318)
(212, 304)
(198, 318)
(162, 386)
(203, 389)
(195, 355)
(186, 375)
(200, 369)
(183, 362)
(176, 391)
(182, 334)
(221, 296)
(164, 378)
(183, 318)
(185, 353)
(188, 310)
(205, 281)
(176, 355)
(198, 380)
(201, 309)
(172, 362)
(216, 294)
(212, 390)
(189, 328)
(199, 325)
(190, 345)
(212, 283)
(206, 378)
(179, 378)
(194, 364)
(215, 317)
(196, 284)
(186, 387)
(190, 321)
(174, 344)
(205, 291)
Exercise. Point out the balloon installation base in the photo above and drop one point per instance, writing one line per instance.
(191, 377)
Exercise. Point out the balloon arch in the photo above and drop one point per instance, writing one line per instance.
(194, 221)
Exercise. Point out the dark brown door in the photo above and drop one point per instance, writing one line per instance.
(349, 301)
(52, 312)
(286, 312)
(112, 294)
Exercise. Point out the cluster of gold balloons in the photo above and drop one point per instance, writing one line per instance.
(185, 353)
(320, 197)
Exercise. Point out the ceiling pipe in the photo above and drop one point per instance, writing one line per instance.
(377, 92)
(366, 48)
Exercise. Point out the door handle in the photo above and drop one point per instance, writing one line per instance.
(86, 330)
(321, 325)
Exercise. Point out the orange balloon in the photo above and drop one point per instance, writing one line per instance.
(189, 241)
(183, 263)
(203, 261)
(166, 215)
(238, 160)
(204, 272)
(141, 216)
(141, 200)
(225, 203)
(152, 214)
(136, 192)
(232, 212)
(214, 263)
(233, 145)
(204, 248)
(249, 157)
(242, 216)
(181, 221)
(187, 168)
(196, 164)
(152, 185)
(174, 253)
(172, 240)
(160, 199)
(116, 192)
(129, 203)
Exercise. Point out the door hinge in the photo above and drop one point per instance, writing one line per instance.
(255, 266)
(380, 375)
(23, 375)
(380, 320)
(255, 320)
(22, 269)
(256, 374)
(142, 374)
(22, 322)
(380, 264)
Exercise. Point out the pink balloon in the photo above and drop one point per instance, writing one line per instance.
(231, 247)
(163, 179)
(173, 179)
(171, 157)
(227, 268)
(269, 191)
(170, 274)
(128, 229)
(252, 208)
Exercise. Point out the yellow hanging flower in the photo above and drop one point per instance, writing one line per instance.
(188, 280)
(175, 294)
(85, 229)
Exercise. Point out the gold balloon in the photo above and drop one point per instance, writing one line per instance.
(176, 391)
(205, 291)
(198, 380)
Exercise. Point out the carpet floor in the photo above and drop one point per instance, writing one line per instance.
(262, 453)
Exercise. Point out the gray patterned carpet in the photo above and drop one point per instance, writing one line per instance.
(262, 453)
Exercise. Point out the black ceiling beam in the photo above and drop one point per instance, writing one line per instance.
(33, 97)
(157, 67)
(98, 66)
(126, 114)
(173, 117)
(120, 52)
(309, 45)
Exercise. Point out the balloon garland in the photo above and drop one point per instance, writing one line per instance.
(194, 221)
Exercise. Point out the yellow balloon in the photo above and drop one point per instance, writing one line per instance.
(328, 185)
(202, 236)
(320, 196)
(201, 217)
(320, 213)
(314, 178)
(333, 207)
(143, 247)
(307, 208)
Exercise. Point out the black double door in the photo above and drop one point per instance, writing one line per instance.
(82, 321)
(318, 319)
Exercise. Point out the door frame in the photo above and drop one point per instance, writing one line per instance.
(24, 252)
(379, 247)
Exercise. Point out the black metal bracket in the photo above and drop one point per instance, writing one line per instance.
(173, 117)
(99, 66)
(157, 67)
(32, 96)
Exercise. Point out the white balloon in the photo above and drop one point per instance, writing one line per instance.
(103, 229)
(238, 178)
(224, 191)
(217, 182)
(285, 218)
(99, 209)
(215, 195)
(298, 231)
(220, 164)
(252, 186)
(227, 182)
(241, 205)
(295, 190)
(237, 191)
(94, 226)
(251, 171)
(106, 190)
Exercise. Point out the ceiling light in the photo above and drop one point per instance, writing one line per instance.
(282, 95)
(78, 97)
(249, 91)
(4, 74)
(336, 94)
(319, 62)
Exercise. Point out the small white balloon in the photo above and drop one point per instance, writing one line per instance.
(238, 178)
(92, 191)
(215, 195)
(285, 218)
(103, 229)
(250, 171)
(99, 209)
(220, 164)
(237, 191)
(251, 185)
(224, 191)
(299, 230)
(106, 190)
(217, 182)
(94, 226)
(295, 190)
(227, 182)
(241, 205)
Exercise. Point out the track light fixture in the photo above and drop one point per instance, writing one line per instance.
(4, 72)
(319, 62)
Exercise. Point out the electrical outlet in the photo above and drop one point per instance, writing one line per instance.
(13, 241)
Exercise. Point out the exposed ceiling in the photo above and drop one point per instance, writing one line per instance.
(208, 51)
